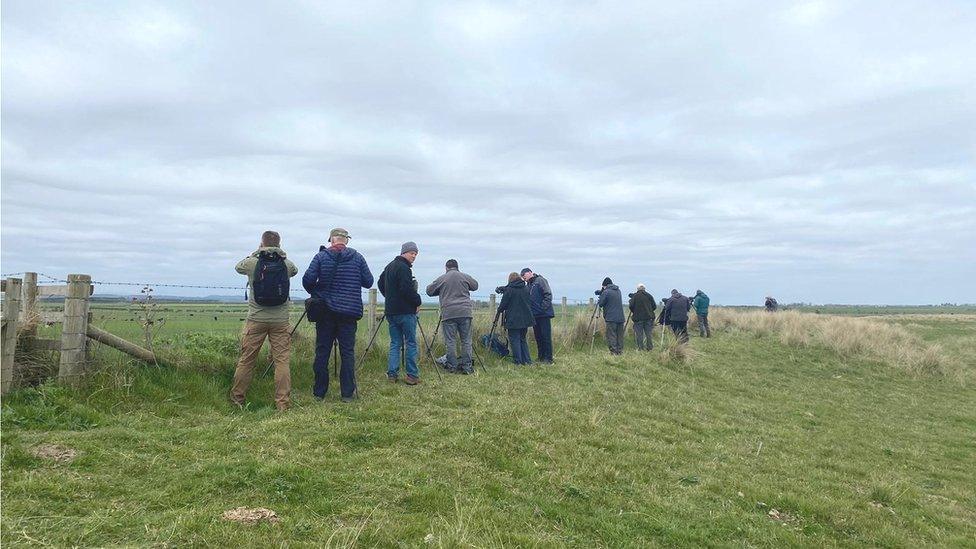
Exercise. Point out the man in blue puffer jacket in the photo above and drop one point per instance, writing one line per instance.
(335, 276)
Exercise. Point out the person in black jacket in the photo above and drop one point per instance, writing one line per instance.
(518, 317)
(642, 306)
(677, 313)
(402, 304)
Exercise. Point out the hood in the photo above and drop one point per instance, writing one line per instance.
(612, 287)
(269, 249)
(345, 251)
(519, 283)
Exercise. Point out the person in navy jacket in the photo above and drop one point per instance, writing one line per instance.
(336, 276)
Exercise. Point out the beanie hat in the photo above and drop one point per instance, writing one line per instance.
(607, 281)
(408, 247)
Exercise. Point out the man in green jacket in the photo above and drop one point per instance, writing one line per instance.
(268, 320)
(701, 309)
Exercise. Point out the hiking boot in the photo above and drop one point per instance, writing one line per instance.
(350, 398)
(412, 380)
(392, 379)
(466, 371)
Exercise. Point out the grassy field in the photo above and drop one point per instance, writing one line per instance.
(767, 434)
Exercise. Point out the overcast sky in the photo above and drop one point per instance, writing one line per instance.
(819, 151)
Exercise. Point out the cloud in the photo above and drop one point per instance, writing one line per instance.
(821, 151)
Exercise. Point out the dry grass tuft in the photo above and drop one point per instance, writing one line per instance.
(854, 337)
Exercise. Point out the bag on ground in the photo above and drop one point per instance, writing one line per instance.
(496, 345)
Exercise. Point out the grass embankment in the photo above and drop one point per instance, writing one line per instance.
(750, 441)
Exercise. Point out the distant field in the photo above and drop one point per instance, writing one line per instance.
(768, 434)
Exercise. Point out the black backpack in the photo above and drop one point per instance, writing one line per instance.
(270, 282)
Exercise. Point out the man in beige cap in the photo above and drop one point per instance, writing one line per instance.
(335, 279)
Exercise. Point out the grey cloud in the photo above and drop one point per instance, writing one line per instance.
(821, 151)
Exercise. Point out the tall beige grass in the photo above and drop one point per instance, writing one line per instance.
(848, 336)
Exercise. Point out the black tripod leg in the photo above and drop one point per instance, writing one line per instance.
(372, 338)
(430, 355)
(335, 358)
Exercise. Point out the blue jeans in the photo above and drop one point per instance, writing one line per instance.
(520, 347)
(403, 329)
(328, 331)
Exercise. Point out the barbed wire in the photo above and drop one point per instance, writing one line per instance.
(363, 291)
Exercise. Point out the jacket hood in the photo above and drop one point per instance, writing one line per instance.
(345, 251)
(519, 283)
(269, 249)
(612, 287)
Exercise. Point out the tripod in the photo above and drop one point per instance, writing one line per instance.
(596, 309)
(427, 345)
(372, 338)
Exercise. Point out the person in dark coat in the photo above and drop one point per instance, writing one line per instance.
(540, 298)
(642, 306)
(677, 313)
(336, 276)
(402, 303)
(518, 317)
(612, 304)
(771, 305)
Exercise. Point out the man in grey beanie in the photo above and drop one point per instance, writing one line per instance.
(402, 303)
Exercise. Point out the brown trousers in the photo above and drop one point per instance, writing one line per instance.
(251, 341)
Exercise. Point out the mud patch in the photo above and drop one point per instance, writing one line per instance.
(55, 453)
(255, 515)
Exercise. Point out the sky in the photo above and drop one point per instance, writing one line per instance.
(817, 151)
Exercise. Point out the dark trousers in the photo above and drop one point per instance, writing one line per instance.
(520, 348)
(543, 337)
(328, 331)
(615, 337)
(703, 325)
(680, 329)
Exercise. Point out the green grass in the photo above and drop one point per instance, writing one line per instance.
(595, 451)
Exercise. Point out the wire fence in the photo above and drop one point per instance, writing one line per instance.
(49, 279)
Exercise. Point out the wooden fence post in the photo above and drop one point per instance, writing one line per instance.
(591, 302)
(491, 306)
(74, 330)
(565, 307)
(30, 305)
(11, 317)
(372, 310)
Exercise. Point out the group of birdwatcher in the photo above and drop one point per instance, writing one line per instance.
(334, 281)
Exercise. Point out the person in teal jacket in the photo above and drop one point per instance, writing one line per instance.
(701, 309)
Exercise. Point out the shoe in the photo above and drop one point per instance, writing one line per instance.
(319, 398)
(350, 398)
(466, 372)
(412, 380)
(393, 379)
